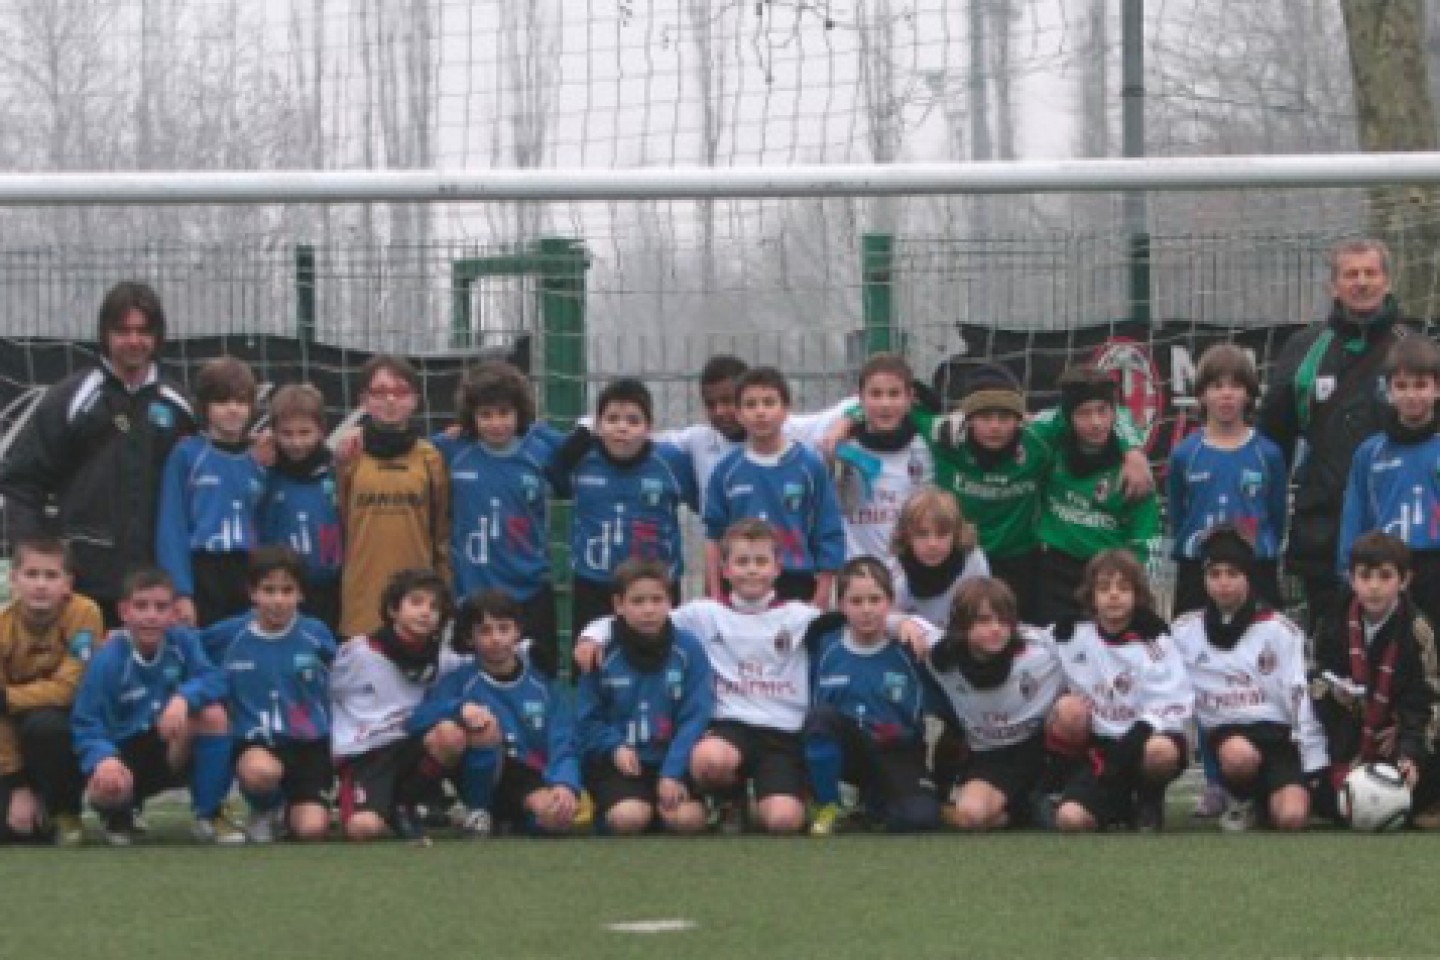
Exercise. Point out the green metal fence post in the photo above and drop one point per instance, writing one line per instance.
(877, 265)
(563, 264)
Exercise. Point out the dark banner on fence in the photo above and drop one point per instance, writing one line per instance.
(1155, 365)
(277, 361)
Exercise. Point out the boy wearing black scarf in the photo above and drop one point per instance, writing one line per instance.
(1247, 665)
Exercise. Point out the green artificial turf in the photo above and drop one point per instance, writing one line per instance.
(1179, 894)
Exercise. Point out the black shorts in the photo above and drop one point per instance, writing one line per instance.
(370, 781)
(306, 772)
(1018, 573)
(538, 621)
(795, 585)
(773, 760)
(1109, 798)
(147, 757)
(894, 775)
(322, 601)
(608, 786)
(1279, 757)
(517, 782)
(220, 586)
(1060, 575)
(1015, 771)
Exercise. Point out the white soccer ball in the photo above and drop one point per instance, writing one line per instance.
(1374, 798)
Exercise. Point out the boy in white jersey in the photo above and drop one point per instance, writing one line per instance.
(1124, 668)
(762, 679)
(1000, 680)
(1247, 665)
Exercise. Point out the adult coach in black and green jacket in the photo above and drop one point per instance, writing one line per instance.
(96, 445)
(1327, 389)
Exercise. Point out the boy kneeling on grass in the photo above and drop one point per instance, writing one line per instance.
(502, 725)
(149, 717)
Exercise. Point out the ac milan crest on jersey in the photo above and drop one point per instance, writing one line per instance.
(1267, 661)
(1102, 489)
(783, 642)
(1124, 683)
(1027, 686)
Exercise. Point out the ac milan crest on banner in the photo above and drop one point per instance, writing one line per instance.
(1154, 365)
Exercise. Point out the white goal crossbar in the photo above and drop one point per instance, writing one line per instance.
(648, 183)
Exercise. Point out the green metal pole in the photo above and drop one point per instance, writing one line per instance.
(461, 280)
(563, 263)
(877, 271)
(305, 292)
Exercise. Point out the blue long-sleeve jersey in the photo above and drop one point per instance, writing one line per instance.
(660, 714)
(277, 684)
(1394, 487)
(628, 511)
(535, 717)
(793, 493)
(303, 513)
(881, 687)
(499, 510)
(123, 693)
(1247, 486)
(208, 501)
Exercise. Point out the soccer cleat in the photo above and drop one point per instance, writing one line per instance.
(1238, 817)
(1212, 802)
(119, 828)
(584, 814)
(69, 831)
(729, 818)
(217, 830)
(826, 820)
(265, 826)
(1150, 814)
(478, 825)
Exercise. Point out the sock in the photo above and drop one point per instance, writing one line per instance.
(479, 776)
(823, 757)
(1208, 759)
(210, 774)
(263, 802)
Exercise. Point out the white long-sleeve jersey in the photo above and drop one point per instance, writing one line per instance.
(370, 699)
(761, 666)
(1260, 680)
(1014, 711)
(1125, 683)
(870, 520)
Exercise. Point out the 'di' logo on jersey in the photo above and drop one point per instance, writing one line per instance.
(792, 495)
(895, 687)
(651, 492)
(1250, 482)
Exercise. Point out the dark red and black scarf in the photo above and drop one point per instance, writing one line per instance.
(1377, 712)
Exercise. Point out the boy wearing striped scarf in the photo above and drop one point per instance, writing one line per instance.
(1377, 692)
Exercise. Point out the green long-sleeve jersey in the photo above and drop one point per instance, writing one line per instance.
(1085, 515)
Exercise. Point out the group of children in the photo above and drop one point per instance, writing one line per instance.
(987, 574)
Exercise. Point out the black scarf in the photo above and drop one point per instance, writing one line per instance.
(387, 443)
(1144, 625)
(926, 582)
(987, 459)
(418, 664)
(1087, 463)
(646, 654)
(1225, 635)
(886, 441)
(231, 446)
(625, 463)
(315, 464)
(737, 435)
(953, 653)
(1402, 434)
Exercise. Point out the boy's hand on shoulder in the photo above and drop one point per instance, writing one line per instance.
(476, 718)
(915, 634)
(587, 655)
(185, 610)
(1136, 480)
(348, 445)
(840, 431)
(172, 720)
(1409, 771)
(627, 761)
(262, 447)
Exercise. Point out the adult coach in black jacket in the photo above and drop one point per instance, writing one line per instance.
(96, 445)
(1327, 388)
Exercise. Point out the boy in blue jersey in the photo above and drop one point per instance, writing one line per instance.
(277, 667)
(208, 498)
(628, 491)
(1394, 483)
(643, 709)
(782, 482)
(500, 462)
(300, 507)
(503, 727)
(867, 717)
(149, 717)
(1226, 472)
